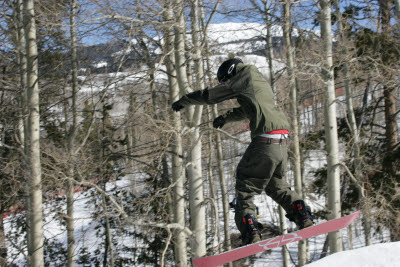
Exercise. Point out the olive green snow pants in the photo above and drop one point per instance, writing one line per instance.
(262, 168)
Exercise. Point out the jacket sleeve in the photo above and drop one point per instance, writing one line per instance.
(236, 114)
(210, 96)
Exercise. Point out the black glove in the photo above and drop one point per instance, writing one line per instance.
(219, 122)
(232, 204)
(176, 106)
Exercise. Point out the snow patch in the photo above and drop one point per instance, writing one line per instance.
(379, 255)
(100, 64)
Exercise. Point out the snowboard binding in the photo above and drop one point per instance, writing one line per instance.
(252, 234)
(300, 214)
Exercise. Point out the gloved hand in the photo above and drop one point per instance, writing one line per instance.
(233, 204)
(219, 122)
(176, 106)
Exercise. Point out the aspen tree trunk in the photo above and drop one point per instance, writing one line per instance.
(108, 237)
(197, 206)
(397, 9)
(270, 48)
(270, 57)
(293, 118)
(108, 245)
(285, 251)
(223, 186)
(166, 180)
(222, 181)
(350, 236)
(36, 213)
(221, 171)
(331, 136)
(178, 172)
(213, 193)
(196, 197)
(221, 176)
(130, 137)
(353, 125)
(22, 61)
(71, 144)
(213, 214)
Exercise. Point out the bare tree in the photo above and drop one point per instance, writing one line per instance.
(71, 145)
(196, 195)
(195, 178)
(178, 172)
(335, 238)
(218, 144)
(290, 66)
(33, 136)
(344, 58)
(391, 142)
(22, 62)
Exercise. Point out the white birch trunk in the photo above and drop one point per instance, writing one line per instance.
(71, 144)
(350, 236)
(22, 61)
(222, 181)
(212, 193)
(178, 172)
(290, 65)
(397, 9)
(108, 238)
(285, 251)
(21, 58)
(331, 136)
(196, 194)
(270, 48)
(33, 135)
(221, 171)
(270, 57)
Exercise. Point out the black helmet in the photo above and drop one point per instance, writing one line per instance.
(227, 69)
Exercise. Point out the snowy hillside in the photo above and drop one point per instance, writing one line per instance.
(242, 37)
(379, 255)
(238, 38)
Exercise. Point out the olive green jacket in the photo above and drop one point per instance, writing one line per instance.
(253, 93)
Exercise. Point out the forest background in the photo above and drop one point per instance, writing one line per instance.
(85, 93)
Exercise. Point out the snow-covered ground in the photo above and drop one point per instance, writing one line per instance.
(379, 255)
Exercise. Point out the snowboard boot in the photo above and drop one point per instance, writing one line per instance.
(252, 234)
(300, 214)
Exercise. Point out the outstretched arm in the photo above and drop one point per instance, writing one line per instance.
(211, 96)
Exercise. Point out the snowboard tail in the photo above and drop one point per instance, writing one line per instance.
(245, 251)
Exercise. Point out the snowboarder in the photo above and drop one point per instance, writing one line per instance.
(263, 165)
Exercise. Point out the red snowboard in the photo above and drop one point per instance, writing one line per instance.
(241, 252)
